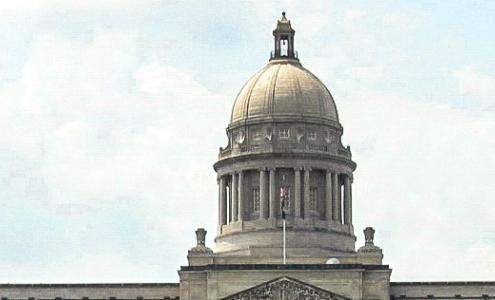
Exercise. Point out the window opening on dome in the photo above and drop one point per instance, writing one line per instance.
(284, 133)
(313, 198)
(311, 134)
(284, 46)
(256, 199)
(257, 135)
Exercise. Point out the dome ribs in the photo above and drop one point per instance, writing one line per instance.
(284, 89)
(324, 105)
(307, 91)
(247, 100)
(271, 97)
(299, 96)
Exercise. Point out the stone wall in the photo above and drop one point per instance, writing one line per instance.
(145, 291)
(214, 282)
(445, 290)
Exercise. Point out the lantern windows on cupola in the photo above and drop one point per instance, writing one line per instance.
(284, 39)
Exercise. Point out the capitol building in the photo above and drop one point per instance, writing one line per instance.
(285, 209)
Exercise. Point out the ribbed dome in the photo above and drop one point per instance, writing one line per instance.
(284, 89)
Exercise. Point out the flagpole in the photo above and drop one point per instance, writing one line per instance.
(285, 260)
(282, 206)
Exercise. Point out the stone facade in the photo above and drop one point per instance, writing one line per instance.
(284, 167)
(285, 228)
(138, 291)
(352, 281)
(443, 290)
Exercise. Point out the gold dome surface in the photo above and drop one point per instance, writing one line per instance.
(284, 89)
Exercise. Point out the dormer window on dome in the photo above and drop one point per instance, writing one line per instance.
(284, 40)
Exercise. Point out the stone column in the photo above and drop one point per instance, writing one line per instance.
(350, 202)
(263, 195)
(328, 196)
(234, 202)
(229, 198)
(335, 196)
(340, 200)
(306, 192)
(347, 200)
(222, 202)
(273, 195)
(240, 196)
(297, 192)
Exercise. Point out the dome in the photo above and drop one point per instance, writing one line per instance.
(284, 89)
(285, 136)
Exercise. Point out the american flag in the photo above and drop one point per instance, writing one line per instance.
(282, 201)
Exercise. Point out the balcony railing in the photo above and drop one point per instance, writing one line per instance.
(272, 55)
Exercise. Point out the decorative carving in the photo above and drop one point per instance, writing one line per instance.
(369, 246)
(240, 137)
(285, 288)
(269, 134)
(200, 236)
(369, 236)
(329, 138)
(200, 239)
(299, 136)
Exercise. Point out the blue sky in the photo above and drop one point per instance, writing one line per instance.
(112, 113)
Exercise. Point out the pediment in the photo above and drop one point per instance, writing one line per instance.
(285, 288)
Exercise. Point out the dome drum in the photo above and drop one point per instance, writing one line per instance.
(283, 137)
(316, 241)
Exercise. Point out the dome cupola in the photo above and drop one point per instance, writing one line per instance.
(284, 40)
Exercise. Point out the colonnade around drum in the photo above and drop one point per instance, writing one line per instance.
(233, 200)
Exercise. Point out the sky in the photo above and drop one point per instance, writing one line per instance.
(112, 114)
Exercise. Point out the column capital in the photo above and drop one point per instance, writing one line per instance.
(298, 169)
(308, 169)
(262, 169)
(271, 169)
(349, 175)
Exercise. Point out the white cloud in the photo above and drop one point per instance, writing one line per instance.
(425, 182)
(471, 80)
(32, 7)
(398, 21)
(161, 80)
(105, 131)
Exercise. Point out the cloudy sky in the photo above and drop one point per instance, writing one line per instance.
(112, 113)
